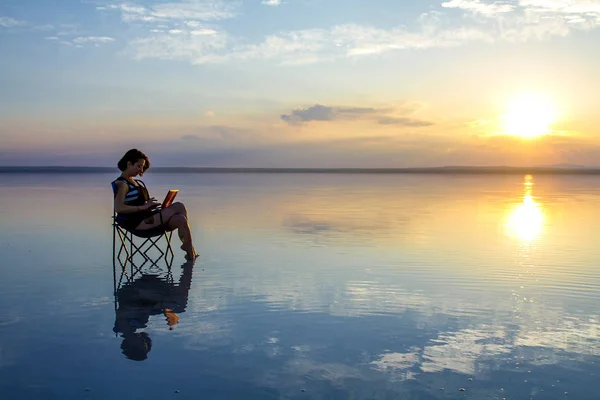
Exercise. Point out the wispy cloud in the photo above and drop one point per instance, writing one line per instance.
(93, 39)
(533, 19)
(295, 47)
(189, 30)
(320, 112)
(43, 28)
(178, 30)
(480, 6)
(69, 30)
(190, 137)
(80, 41)
(219, 135)
(7, 22)
(403, 121)
(381, 116)
(198, 46)
(341, 41)
(588, 8)
(204, 10)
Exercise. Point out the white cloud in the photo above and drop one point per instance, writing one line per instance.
(581, 7)
(349, 40)
(575, 11)
(7, 22)
(525, 20)
(179, 30)
(203, 32)
(295, 47)
(198, 48)
(480, 6)
(96, 40)
(192, 24)
(198, 10)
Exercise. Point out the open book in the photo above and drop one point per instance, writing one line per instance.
(169, 198)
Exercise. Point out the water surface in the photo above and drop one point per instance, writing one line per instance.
(319, 286)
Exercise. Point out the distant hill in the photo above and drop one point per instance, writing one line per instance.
(576, 166)
(550, 169)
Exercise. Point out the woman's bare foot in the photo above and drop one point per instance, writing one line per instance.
(191, 253)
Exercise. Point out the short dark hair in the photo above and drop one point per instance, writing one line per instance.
(136, 347)
(132, 156)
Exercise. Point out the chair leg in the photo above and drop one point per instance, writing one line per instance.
(123, 247)
(131, 251)
(117, 256)
(128, 250)
(169, 249)
(144, 247)
(114, 260)
(126, 254)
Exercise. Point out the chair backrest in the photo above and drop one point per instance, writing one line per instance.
(113, 184)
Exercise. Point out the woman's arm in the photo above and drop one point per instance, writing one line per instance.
(120, 205)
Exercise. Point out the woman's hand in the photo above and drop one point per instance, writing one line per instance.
(150, 204)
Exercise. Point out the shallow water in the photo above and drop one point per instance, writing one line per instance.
(308, 287)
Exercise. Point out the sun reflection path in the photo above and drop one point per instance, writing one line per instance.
(526, 221)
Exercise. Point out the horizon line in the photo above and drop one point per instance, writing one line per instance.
(571, 169)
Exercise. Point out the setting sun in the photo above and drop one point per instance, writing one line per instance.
(529, 116)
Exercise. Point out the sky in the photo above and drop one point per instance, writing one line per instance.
(300, 83)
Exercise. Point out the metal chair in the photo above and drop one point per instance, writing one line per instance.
(134, 249)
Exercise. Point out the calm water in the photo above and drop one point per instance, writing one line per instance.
(308, 287)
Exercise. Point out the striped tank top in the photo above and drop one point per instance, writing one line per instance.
(136, 195)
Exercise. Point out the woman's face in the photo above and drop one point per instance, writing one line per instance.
(137, 168)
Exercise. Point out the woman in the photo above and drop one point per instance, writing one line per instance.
(140, 213)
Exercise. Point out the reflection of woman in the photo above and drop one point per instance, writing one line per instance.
(146, 296)
(140, 213)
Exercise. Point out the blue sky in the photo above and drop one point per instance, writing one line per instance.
(297, 82)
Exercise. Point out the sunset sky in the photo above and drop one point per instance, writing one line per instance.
(300, 83)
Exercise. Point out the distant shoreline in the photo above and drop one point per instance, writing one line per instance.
(225, 170)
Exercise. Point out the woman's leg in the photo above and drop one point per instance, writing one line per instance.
(180, 222)
(178, 207)
(156, 219)
(183, 228)
(173, 217)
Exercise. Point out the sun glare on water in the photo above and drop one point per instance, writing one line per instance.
(526, 220)
(529, 116)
